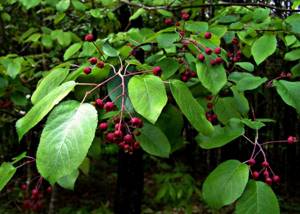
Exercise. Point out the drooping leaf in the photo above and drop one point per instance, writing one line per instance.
(292, 55)
(263, 47)
(7, 171)
(137, 14)
(148, 96)
(109, 50)
(49, 83)
(253, 124)
(258, 198)
(168, 66)
(68, 181)
(293, 21)
(225, 184)
(66, 138)
(42, 108)
(246, 65)
(73, 49)
(222, 135)
(154, 141)
(190, 107)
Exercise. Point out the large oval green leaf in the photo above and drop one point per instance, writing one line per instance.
(263, 47)
(50, 82)
(154, 141)
(258, 198)
(66, 139)
(7, 171)
(225, 184)
(190, 107)
(68, 181)
(73, 49)
(148, 96)
(42, 108)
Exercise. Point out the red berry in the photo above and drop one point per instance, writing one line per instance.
(87, 70)
(251, 161)
(201, 57)
(128, 138)
(265, 164)
(100, 64)
(109, 106)
(236, 59)
(266, 173)
(184, 78)
(210, 105)
(49, 189)
(103, 126)
(219, 60)
(23, 186)
(208, 51)
(168, 21)
(255, 174)
(27, 204)
(89, 37)
(135, 121)
(268, 181)
(209, 97)
(156, 70)
(239, 53)
(217, 50)
(110, 137)
(125, 146)
(276, 179)
(185, 16)
(136, 145)
(118, 133)
(99, 103)
(182, 33)
(292, 140)
(193, 74)
(34, 192)
(235, 41)
(213, 62)
(207, 35)
(93, 60)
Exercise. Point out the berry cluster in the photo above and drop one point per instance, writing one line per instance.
(210, 115)
(94, 61)
(236, 54)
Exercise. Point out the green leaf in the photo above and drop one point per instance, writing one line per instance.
(212, 77)
(294, 21)
(73, 49)
(148, 96)
(253, 124)
(85, 166)
(296, 70)
(63, 5)
(222, 135)
(29, 3)
(42, 108)
(226, 108)
(49, 83)
(154, 141)
(195, 26)
(246, 65)
(245, 81)
(137, 14)
(263, 47)
(241, 102)
(258, 198)
(68, 181)
(292, 55)
(190, 107)
(66, 138)
(109, 50)
(166, 40)
(289, 92)
(7, 171)
(14, 67)
(225, 184)
(169, 66)
(165, 13)
(290, 39)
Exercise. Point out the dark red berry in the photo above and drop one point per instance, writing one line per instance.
(219, 60)
(156, 70)
(109, 106)
(87, 70)
(251, 161)
(100, 64)
(103, 126)
(89, 37)
(235, 41)
(118, 133)
(135, 121)
(136, 145)
(265, 164)
(128, 138)
(168, 21)
(23, 187)
(207, 35)
(209, 97)
(184, 78)
(217, 50)
(268, 181)
(210, 105)
(185, 16)
(182, 33)
(193, 74)
(99, 103)
(208, 51)
(27, 204)
(213, 62)
(276, 179)
(292, 140)
(201, 57)
(255, 174)
(49, 189)
(34, 192)
(93, 60)
(110, 137)
(266, 173)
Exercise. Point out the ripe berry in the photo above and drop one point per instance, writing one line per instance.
(185, 16)
(103, 126)
(168, 21)
(193, 74)
(99, 103)
(118, 133)
(276, 179)
(23, 187)
(251, 161)
(265, 164)
(268, 181)
(110, 137)
(49, 189)
(100, 64)
(266, 173)
(87, 70)
(93, 60)
(136, 145)
(109, 106)
(209, 97)
(89, 37)
(182, 33)
(207, 35)
(34, 192)
(255, 174)
(292, 140)
(184, 78)
(213, 62)
(128, 138)
(235, 41)
(27, 204)
(208, 51)
(217, 50)
(135, 121)
(209, 105)
(156, 70)
(219, 60)
(201, 57)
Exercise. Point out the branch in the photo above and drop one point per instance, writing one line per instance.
(174, 8)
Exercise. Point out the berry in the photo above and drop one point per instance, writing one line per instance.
(135, 121)
(276, 179)
(99, 103)
(100, 64)
(128, 138)
(209, 105)
(109, 106)
(93, 60)
(185, 16)
(34, 192)
(89, 37)
(292, 140)
(266, 173)
(118, 133)
(213, 62)
(268, 181)
(49, 189)
(208, 51)
(201, 57)
(156, 70)
(168, 21)
(110, 137)
(27, 204)
(103, 126)
(207, 35)
(23, 187)
(136, 145)
(182, 33)
(236, 59)
(219, 60)
(235, 41)
(265, 164)
(193, 74)
(87, 70)
(251, 161)
(255, 174)
(184, 78)
(209, 97)
(217, 50)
